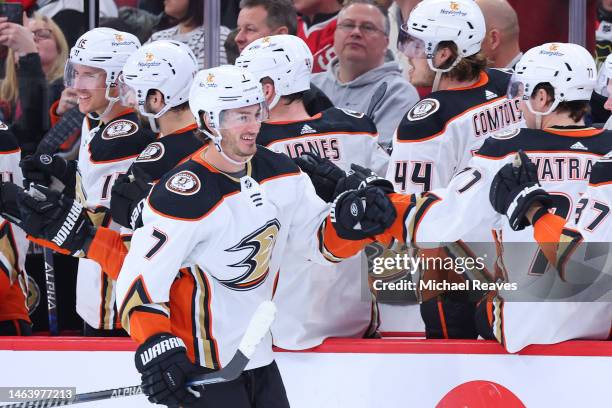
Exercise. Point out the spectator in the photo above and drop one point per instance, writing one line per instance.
(231, 48)
(35, 79)
(316, 25)
(259, 18)
(501, 42)
(359, 78)
(189, 28)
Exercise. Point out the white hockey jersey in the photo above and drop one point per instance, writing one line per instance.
(315, 301)
(233, 234)
(438, 136)
(564, 158)
(106, 151)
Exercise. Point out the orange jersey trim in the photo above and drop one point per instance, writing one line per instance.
(483, 78)
(575, 132)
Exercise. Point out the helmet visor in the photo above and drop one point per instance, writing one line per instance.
(516, 88)
(411, 46)
(243, 117)
(127, 94)
(79, 76)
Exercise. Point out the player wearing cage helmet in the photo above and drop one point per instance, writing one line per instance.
(437, 137)
(111, 138)
(282, 63)
(232, 211)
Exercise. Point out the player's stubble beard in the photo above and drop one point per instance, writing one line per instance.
(421, 74)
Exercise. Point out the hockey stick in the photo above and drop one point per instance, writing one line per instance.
(50, 284)
(258, 328)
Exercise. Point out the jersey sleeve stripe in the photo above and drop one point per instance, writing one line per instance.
(422, 205)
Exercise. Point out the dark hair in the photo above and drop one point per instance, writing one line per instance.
(280, 13)
(468, 69)
(183, 106)
(576, 109)
(387, 24)
(194, 15)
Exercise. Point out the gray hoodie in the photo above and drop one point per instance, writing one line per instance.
(382, 93)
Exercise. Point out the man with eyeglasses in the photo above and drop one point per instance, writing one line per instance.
(363, 77)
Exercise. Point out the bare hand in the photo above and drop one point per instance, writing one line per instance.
(68, 100)
(17, 37)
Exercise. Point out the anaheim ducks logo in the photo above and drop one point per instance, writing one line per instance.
(260, 244)
(151, 153)
(119, 128)
(184, 183)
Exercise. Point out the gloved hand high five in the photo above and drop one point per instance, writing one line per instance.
(515, 189)
(324, 174)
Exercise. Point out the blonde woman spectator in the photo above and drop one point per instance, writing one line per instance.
(188, 14)
(34, 76)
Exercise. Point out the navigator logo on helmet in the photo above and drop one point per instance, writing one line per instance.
(216, 91)
(103, 48)
(166, 66)
(285, 59)
(568, 68)
(434, 21)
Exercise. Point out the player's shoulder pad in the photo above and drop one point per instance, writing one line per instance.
(346, 120)
(121, 138)
(8, 141)
(162, 155)
(268, 164)
(187, 192)
(602, 170)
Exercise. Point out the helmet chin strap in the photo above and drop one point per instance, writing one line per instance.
(274, 101)
(217, 142)
(440, 71)
(538, 121)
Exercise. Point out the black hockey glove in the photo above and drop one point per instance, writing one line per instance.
(52, 216)
(324, 174)
(43, 168)
(9, 208)
(515, 189)
(359, 214)
(128, 196)
(360, 177)
(165, 368)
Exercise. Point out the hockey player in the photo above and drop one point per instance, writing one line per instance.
(111, 139)
(14, 317)
(554, 83)
(232, 211)
(438, 136)
(282, 63)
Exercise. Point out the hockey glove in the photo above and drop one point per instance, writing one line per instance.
(165, 368)
(359, 214)
(54, 217)
(360, 177)
(324, 174)
(9, 208)
(515, 189)
(44, 169)
(128, 196)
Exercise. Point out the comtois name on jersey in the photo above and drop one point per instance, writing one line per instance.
(322, 147)
(496, 118)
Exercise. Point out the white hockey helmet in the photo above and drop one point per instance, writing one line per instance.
(434, 21)
(284, 58)
(166, 66)
(568, 68)
(103, 48)
(217, 90)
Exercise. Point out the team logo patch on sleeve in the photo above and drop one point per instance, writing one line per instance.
(423, 109)
(184, 183)
(506, 134)
(151, 153)
(3, 126)
(119, 128)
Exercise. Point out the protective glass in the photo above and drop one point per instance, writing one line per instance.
(412, 47)
(243, 117)
(127, 94)
(83, 77)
